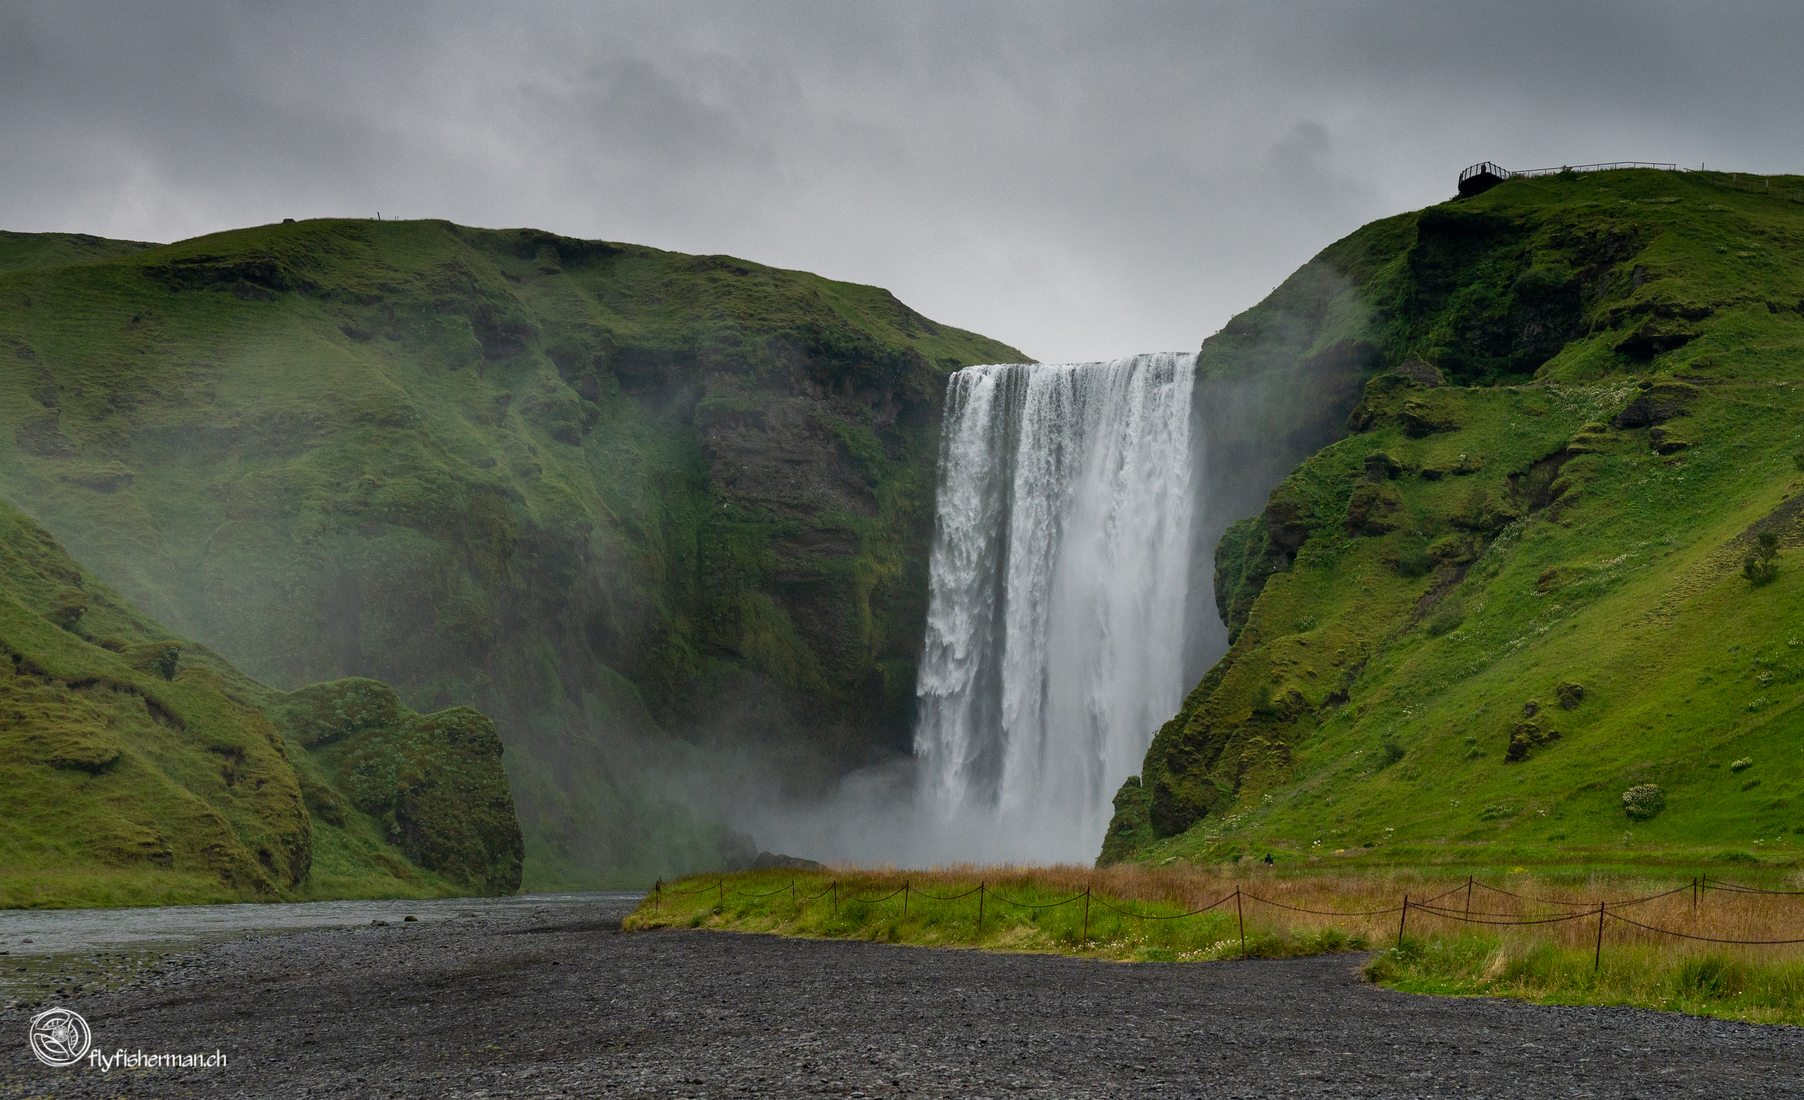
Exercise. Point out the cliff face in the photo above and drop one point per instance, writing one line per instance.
(140, 769)
(1545, 561)
(629, 503)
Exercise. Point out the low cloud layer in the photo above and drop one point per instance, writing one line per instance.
(1081, 180)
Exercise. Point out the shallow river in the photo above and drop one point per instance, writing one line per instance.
(47, 951)
(58, 931)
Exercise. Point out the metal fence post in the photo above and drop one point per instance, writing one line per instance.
(1597, 960)
(980, 891)
(721, 886)
(904, 899)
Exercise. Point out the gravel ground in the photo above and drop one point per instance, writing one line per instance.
(558, 1003)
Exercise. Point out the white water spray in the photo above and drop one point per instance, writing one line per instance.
(1060, 576)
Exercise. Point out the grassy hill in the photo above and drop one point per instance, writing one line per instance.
(137, 769)
(635, 505)
(1550, 564)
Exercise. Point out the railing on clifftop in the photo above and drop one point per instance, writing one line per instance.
(1485, 175)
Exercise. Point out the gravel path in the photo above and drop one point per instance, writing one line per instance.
(560, 1003)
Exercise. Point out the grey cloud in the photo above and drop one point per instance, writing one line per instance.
(1082, 180)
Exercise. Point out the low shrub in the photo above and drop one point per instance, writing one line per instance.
(1643, 801)
(1761, 566)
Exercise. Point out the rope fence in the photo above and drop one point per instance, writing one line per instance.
(1432, 907)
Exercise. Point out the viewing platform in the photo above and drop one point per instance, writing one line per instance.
(1483, 176)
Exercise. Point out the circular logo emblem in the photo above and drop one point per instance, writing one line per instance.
(60, 1037)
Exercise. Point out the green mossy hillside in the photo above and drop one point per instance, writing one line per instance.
(1551, 562)
(633, 504)
(140, 769)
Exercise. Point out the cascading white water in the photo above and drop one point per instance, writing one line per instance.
(1060, 576)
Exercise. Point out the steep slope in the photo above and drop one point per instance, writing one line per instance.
(138, 769)
(1549, 563)
(630, 503)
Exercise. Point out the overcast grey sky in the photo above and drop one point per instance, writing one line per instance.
(1080, 180)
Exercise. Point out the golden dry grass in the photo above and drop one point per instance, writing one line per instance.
(1515, 934)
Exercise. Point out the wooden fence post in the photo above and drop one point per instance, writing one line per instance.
(1402, 919)
(1597, 960)
(1086, 914)
(1240, 917)
(980, 889)
(904, 899)
(1468, 897)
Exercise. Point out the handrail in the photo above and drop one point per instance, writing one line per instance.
(1604, 166)
(1491, 168)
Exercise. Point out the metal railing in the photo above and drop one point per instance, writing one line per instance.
(1502, 173)
(1601, 167)
(1484, 168)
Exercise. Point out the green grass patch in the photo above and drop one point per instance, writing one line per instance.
(1003, 910)
(1735, 984)
(1141, 915)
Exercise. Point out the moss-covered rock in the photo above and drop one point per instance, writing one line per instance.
(1132, 826)
(435, 784)
(320, 714)
(1525, 737)
(1658, 402)
(1374, 509)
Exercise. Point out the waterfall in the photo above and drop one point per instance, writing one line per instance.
(1060, 576)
